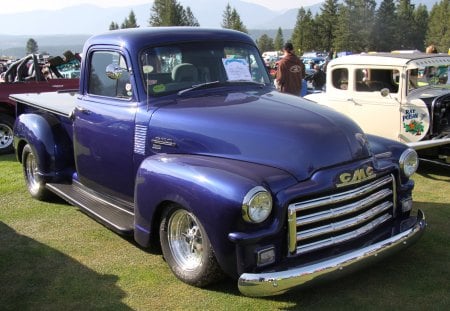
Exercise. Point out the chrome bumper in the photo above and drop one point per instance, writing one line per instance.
(275, 283)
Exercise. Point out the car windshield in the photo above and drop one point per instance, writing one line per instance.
(173, 68)
(428, 76)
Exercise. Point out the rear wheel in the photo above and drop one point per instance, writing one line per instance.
(187, 249)
(6, 134)
(35, 185)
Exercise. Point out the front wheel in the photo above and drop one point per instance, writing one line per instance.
(187, 249)
(35, 185)
(6, 134)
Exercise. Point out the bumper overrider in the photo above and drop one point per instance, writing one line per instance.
(275, 283)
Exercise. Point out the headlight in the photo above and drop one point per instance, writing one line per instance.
(409, 162)
(257, 205)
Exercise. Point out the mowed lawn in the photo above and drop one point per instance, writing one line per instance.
(54, 257)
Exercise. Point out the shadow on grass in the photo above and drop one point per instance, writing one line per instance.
(8, 158)
(427, 169)
(34, 276)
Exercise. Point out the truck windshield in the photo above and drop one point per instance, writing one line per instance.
(173, 68)
(428, 76)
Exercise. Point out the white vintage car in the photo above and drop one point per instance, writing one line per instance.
(401, 96)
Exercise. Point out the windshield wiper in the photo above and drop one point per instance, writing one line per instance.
(200, 86)
(218, 83)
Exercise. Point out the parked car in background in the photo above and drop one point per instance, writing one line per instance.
(33, 74)
(401, 96)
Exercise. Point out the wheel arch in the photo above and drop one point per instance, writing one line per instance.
(211, 188)
(49, 141)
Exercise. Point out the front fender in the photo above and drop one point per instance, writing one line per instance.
(50, 142)
(211, 188)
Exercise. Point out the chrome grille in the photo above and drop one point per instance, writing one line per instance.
(340, 217)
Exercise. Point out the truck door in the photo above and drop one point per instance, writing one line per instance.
(104, 126)
(375, 111)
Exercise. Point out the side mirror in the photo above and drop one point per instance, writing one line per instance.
(114, 72)
(384, 92)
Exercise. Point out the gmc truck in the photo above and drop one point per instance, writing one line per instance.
(178, 138)
(31, 74)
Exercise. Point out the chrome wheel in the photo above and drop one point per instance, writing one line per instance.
(31, 176)
(35, 185)
(187, 248)
(185, 240)
(6, 134)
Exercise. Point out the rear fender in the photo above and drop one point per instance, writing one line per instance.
(50, 143)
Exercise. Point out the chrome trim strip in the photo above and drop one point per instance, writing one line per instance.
(344, 237)
(140, 137)
(344, 224)
(340, 197)
(275, 283)
(343, 210)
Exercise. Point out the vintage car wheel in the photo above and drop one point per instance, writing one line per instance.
(35, 185)
(187, 249)
(6, 134)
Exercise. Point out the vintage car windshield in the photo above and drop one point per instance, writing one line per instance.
(428, 76)
(173, 68)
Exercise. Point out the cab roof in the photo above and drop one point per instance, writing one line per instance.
(138, 38)
(409, 60)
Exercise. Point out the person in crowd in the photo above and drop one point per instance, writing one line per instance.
(290, 72)
(317, 78)
(431, 49)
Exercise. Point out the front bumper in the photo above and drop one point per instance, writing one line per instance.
(275, 283)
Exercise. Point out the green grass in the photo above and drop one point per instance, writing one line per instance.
(53, 257)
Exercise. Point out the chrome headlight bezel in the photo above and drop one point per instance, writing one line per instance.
(257, 205)
(409, 162)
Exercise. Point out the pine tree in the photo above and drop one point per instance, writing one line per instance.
(405, 24)
(303, 36)
(171, 13)
(190, 19)
(327, 22)
(113, 26)
(265, 43)
(279, 40)
(385, 27)
(420, 25)
(131, 22)
(32, 46)
(232, 20)
(226, 18)
(438, 32)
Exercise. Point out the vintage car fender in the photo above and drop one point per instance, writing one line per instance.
(199, 183)
(51, 145)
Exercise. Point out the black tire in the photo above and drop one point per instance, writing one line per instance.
(35, 185)
(187, 249)
(6, 134)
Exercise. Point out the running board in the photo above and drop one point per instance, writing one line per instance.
(111, 214)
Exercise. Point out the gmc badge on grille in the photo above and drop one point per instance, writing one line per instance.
(356, 176)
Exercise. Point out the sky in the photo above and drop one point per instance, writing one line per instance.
(17, 6)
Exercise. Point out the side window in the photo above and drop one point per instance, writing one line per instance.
(374, 80)
(340, 78)
(101, 84)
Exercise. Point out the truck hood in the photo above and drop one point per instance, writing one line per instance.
(428, 92)
(268, 128)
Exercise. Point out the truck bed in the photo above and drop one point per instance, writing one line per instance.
(61, 103)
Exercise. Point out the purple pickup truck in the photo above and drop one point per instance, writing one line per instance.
(177, 138)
